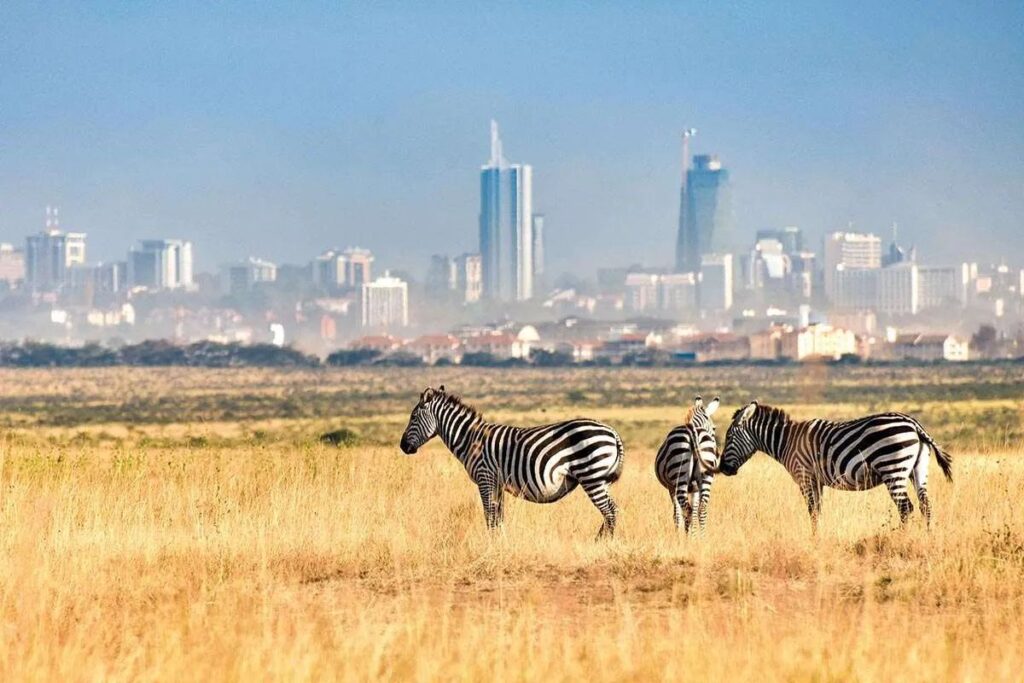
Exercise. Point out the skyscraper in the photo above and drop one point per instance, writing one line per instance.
(385, 303)
(161, 264)
(706, 224)
(538, 249)
(851, 251)
(506, 226)
(49, 254)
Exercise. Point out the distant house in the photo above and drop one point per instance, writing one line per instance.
(384, 343)
(929, 347)
(818, 341)
(433, 347)
(581, 350)
(767, 344)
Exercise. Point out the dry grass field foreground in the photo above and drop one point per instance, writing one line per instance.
(140, 547)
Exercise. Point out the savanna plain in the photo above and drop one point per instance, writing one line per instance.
(188, 524)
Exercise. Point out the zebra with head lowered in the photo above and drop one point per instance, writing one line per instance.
(857, 455)
(686, 464)
(540, 464)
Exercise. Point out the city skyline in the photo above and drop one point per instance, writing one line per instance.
(192, 121)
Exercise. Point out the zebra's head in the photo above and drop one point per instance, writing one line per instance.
(422, 425)
(739, 440)
(704, 433)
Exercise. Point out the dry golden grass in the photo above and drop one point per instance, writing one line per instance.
(289, 560)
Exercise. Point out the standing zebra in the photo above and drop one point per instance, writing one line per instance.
(540, 464)
(688, 478)
(888, 448)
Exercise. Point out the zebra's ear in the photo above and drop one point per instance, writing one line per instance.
(427, 394)
(748, 411)
(441, 388)
(698, 402)
(712, 407)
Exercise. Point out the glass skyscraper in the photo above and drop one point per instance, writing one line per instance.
(506, 226)
(707, 226)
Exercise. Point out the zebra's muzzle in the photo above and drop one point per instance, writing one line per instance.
(407, 447)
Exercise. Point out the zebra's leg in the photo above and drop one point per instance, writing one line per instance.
(705, 500)
(597, 491)
(694, 509)
(498, 498)
(897, 486)
(920, 476)
(490, 503)
(811, 489)
(677, 509)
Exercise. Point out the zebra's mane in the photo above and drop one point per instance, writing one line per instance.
(771, 412)
(456, 400)
(688, 415)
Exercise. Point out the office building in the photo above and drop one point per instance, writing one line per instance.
(385, 303)
(357, 267)
(716, 282)
(677, 293)
(161, 264)
(641, 292)
(538, 250)
(469, 277)
(850, 251)
(241, 277)
(940, 287)
(506, 226)
(12, 265)
(49, 254)
(706, 225)
(898, 289)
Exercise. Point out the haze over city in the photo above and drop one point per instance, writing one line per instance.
(280, 131)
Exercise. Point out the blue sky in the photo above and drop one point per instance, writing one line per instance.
(283, 130)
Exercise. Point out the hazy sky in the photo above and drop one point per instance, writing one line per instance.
(283, 130)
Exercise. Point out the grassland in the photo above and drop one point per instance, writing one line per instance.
(187, 525)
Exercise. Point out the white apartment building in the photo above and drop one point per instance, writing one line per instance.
(385, 303)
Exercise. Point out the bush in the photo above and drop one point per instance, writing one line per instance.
(348, 357)
(340, 437)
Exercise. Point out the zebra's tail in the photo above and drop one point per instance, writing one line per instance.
(944, 458)
(614, 476)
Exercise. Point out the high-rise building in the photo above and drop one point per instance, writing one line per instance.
(469, 277)
(456, 279)
(939, 287)
(328, 270)
(854, 288)
(441, 276)
(791, 238)
(898, 289)
(336, 269)
(357, 266)
(49, 254)
(850, 250)
(506, 226)
(642, 292)
(161, 264)
(385, 303)
(12, 265)
(538, 249)
(707, 226)
(678, 292)
(716, 282)
(238, 278)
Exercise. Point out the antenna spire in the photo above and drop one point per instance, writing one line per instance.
(497, 157)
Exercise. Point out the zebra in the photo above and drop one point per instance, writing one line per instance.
(539, 464)
(688, 478)
(857, 455)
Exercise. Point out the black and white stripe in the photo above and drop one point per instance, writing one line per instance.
(888, 448)
(540, 464)
(686, 464)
